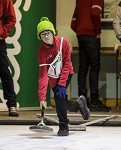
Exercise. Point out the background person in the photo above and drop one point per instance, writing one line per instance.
(86, 23)
(7, 22)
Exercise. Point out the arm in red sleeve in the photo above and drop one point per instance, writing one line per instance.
(10, 17)
(96, 15)
(74, 20)
(43, 77)
(66, 58)
(42, 86)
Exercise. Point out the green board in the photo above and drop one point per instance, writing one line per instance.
(28, 14)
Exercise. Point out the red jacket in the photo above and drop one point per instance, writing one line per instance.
(46, 55)
(86, 19)
(7, 10)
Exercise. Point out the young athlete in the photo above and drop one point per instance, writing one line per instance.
(55, 67)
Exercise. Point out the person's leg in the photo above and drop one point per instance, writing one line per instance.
(72, 106)
(83, 66)
(61, 109)
(94, 56)
(7, 81)
(93, 49)
(78, 105)
(63, 104)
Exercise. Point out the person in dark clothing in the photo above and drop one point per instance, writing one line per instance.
(86, 23)
(7, 22)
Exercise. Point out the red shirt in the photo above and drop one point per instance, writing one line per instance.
(7, 10)
(46, 55)
(86, 19)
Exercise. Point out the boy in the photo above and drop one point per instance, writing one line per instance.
(56, 68)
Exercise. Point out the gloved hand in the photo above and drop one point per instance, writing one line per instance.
(62, 91)
(43, 104)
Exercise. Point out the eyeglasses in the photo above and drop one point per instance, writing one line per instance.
(44, 34)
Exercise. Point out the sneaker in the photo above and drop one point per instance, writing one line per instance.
(97, 105)
(13, 112)
(83, 107)
(63, 129)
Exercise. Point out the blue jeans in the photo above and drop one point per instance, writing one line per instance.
(89, 61)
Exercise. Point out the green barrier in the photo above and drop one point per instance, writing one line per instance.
(23, 51)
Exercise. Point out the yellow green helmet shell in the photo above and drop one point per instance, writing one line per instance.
(45, 25)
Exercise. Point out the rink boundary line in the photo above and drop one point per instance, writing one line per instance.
(79, 115)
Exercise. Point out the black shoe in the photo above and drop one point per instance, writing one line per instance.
(63, 129)
(97, 105)
(13, 112)
(83, 107)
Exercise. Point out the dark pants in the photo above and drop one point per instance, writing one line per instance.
(63, 104)
(89, 60)
(6, 78)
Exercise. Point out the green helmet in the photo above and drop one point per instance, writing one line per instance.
(44, 25)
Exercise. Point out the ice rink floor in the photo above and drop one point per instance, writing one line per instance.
(19, 137)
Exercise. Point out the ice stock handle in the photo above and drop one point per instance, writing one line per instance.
(42, 112)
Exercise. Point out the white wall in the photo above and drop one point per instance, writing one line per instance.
(64, 12)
